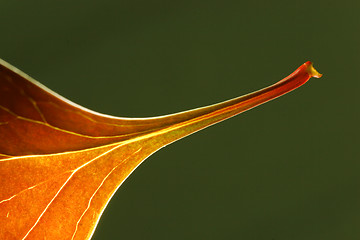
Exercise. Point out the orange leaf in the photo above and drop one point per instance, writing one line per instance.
(61, 163)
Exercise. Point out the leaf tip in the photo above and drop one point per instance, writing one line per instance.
(311, 70)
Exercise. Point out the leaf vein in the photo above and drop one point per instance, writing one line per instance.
(101, 184)
(62, 187)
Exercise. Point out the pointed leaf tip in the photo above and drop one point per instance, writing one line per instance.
(311, 70)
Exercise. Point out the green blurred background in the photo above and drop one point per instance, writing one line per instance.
(287, 170)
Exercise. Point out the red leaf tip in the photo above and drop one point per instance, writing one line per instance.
(311, 70)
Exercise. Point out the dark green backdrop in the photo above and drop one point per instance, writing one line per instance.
(286, 170)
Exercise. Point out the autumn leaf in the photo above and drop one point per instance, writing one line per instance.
(61, 163)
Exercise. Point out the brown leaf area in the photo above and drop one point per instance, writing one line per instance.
(60, 163)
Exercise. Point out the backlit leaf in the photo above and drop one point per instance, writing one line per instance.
(61, 163)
